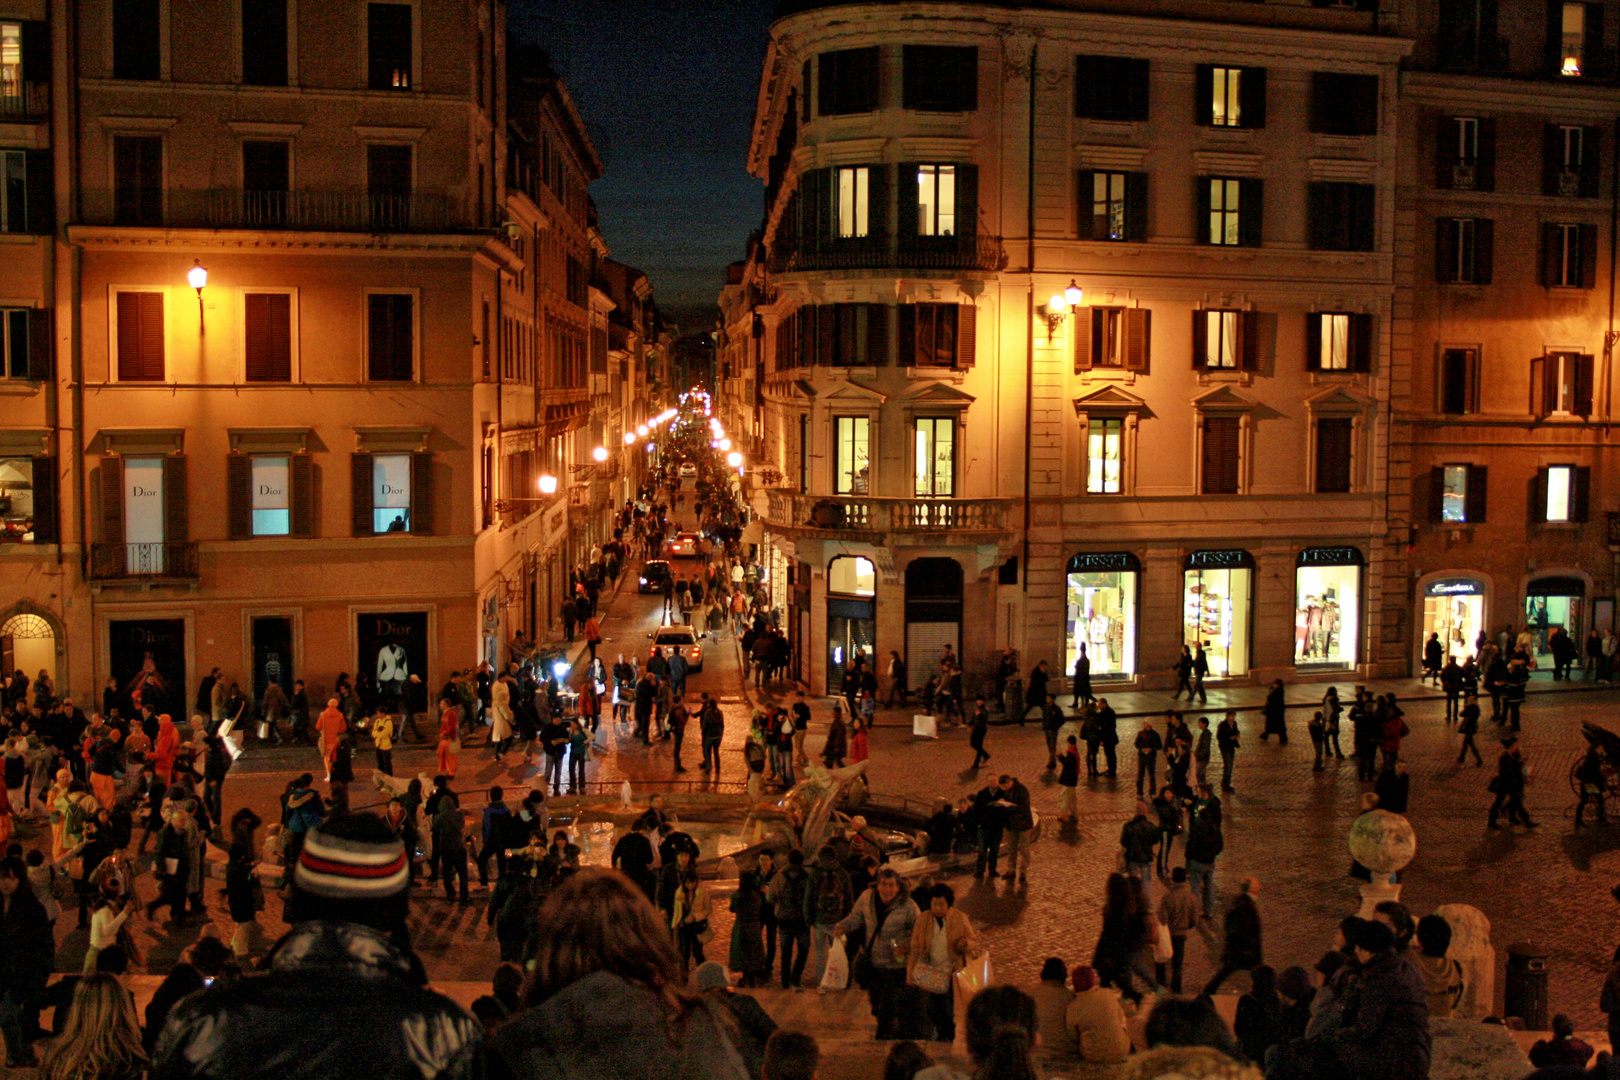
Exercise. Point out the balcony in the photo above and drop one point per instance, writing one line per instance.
(851, 516)
(172, 561)
(309, 211)
(950, 253)
(24, 101)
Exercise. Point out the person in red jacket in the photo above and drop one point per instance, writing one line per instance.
(165, 749)
(449, 737)
(331, 726)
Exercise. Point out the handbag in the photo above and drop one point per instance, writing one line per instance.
(932, 978)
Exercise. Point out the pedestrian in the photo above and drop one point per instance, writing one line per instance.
(1508, 786)
(1178, 913)
(1368, 733)
(1227, 740)
(1201, 752)
(829, 895)
(1137, 841)
(711, 729)
(1148, 744)
(887, 916)
(1609, 1000)
(1205, 843)
(1035, 693)
(857, 742)
(897, 680)
(801, 724)
(382, 741)
(449, 737)
(1082, 678)
(593, 634)
(1276, 714)
(1051, 720)
(1069, 781)
(1518, 678)
(1019, 824)
(1331, 710)
(1316, 727)
(579, 752)
(1395, 730)
(787, 893)
(331, 725)
(1451, 680)
(836, 748)
(1259, 1022)
(1107, 728)
(1183, 668)
(1125, 943)
(1433, 655)
(1242, 949)
(978, 728)
(1167, 812)
(501, 716)
(746, 955)
(942, 942)
(1200, 673)
(1468, 727)
(244, 895)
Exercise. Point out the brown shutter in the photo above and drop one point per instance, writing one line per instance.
(129, 336)
(1478, 487)
(151, 346)
(1552, 154)
(1584, 369)
(826, 333)
(38, 171)
(1086, 189)
(907, 314)
(1333, 454)
(41, 345)
(877, 334)
(1538, 496)
(1445, 250)
(1361, 343)
(1552, 250)
(1200, 340)
(1591, 160)
(1485, 166)
(1580, 507)
(1447, 152)
(1549, 383)
(268, 336)
(1201, 207)
(360, 507)
(1588, 256)
(422, 493)
(1136, 204)
(1252, 97)
(1251, 207)
(1138, 338)
(1220, 458)
(1085, 329)
(46, 517)
(176, 500)
(967, 338)
(1437, 495)
(1204, 95)
(1484, 250)
(112, 499)
(239, 496)
(301, 496)
(1249, 340)
(1313, 341)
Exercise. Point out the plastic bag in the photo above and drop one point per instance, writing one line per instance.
(836, 977)
(969, 981)
(1163, 947)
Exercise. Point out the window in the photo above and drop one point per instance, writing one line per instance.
(1104, 455)
(1575, 40)
(1229, 210)
(1570, 161)
(1225, 340)
(804, 453)
(1220, 472)
(936, 200)
(1110, 88)
(137, 32)
(847, 82)
(852, 455)
(1558, 484)
(854, 200)
(1464, 250)
(940, 78)
(271, 505)
(391, 493)
(1454, 485)
(935, 441)
(11, 75)
(388, 46)
(14, 352)
(264, 42)
(938, 335)
(1459, 381)
(388, 184)
(1231, 97)
(1111, 337)
(1338, 341)
(1562, 494)
(266, 179)
(267, 337)
(1465, 155)
(1568, 256)
(13, 191)
(1468, 40)
(1342, 216)
(140, 336)
(1344, 104)
(390, 344)
(1334, 454)
(28, 500)
(1561, 383)
(860, 334)
(1113, 206)
(137, 180)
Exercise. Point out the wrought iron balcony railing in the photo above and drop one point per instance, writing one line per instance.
(316, 211)
(925, 253)
(867, 514)
(124, 562)
(25, 101)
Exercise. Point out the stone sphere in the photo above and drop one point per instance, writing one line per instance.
(1382, 842)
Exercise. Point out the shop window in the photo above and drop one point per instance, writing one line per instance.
(1459, 382)
(1113, 205)
(935, 441)
(847, 81)
(1218, 590)
(391, 493)
(1110, 88)
(1568, 255)
(1101, 612)
(940, 78)
(1553, 604)
(1105, 451)
(1464, 250)
(854, 195)
(271, 491)
(1335, 454)
(1454, 611)
(1458, 493)
(852, 455)
(27, 500)
(1326, 606)
(1570, 161)
(852, 575)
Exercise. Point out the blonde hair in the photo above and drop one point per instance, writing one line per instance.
(101, 1036)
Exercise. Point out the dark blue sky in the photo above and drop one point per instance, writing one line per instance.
(668, 89)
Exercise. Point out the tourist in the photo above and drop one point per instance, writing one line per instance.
(887, 917)
(1148, 744)
(1068, 782)
(605, 989)
(1019, 824)
(330, 725)
(942, 942)
(747, 953)
(382, 741)
(1242, 949)
(689, 909)
(978, 727)
(1094, 1023)
(1052, 996)
(1082, 678)
(905, 1061)
(801, 728)
(1275, 712)
(1183, 668)
(857, 741)
(1508, 786)
(1258, 1025)
(100, 1039)
(341, 994)
(1227, 741)
(753, 1025)
(1125, 942)
(449, 736)
(450, 845)
(1051, 720)
(1205, 842)
(1138, 839)
(1316, 728)
(504, 999)
(1468, 727)
(1296, 993)
(1178, 913)
(790, 896)
(1186, 1037)
(712, 729)
(1442, 976)
(496, 833)
(244, 895)
(1387, 1034)
(836, 748)
(1563, 1049)
(1000, 1038)
(1167, 812)
(790, 1055)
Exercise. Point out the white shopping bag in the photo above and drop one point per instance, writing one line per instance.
(924, 727)
(836, 977)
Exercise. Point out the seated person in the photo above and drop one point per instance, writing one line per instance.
(1563, 1048)
(1096, 1020)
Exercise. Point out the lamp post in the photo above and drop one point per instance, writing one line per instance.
(197, 278)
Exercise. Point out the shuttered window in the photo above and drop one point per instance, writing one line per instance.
(847, 82)
(137, 180)
(1219, 473)
(388, 43)
(140, 337)
(1113, 205)
(1111, 337)
(938, 335)
(1464, 251)
(1338, 341)
(1465, 153)
(1334, 454)
(1110, 88)
(1342, 216)
(940, 78)
(136, 40)
(1568, 255)
(264, 42)
(1344, 104)
(391, 337)
(1570, 161)
(267, 323)
(1232, 97)
(1459, 381)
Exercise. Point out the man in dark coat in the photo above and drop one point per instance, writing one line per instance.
(1242, 951)
(1276, 714)
(1385, 1035)
(1107, 722)
(1035, 692)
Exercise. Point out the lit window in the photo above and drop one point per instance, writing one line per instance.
(1226, 106)
(1103, 456)
(1560, 481)
(11, 60)
(391, 493)
(272, 513)
(1223, 211)
(1221, 347)
(936, 458)
(936, 200)
(1573, 40)
(1571, 146)
(1454, 494)
(853, 203)
(852, 467)
(852, 575)
(1108, 206)
(1335, 343)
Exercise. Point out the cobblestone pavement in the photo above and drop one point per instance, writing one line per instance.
(1284, 824)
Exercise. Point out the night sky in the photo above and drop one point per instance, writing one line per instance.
(668, 90)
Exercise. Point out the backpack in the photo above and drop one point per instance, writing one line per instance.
(834, 895)
(790, 894)
(77, 815)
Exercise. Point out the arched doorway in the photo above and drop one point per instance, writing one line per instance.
(28, 644)
(851, 615)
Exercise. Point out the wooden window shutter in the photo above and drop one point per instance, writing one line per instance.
(907, 354)
(176, 500)
(1313, 341)
(1437, 494)
(1447, 149)
(1485, 164)
(1584, 367)
(877, 334)
(877, 209)
(1333, 454)
(1361, 343)
(1200, 340)
(804, 90)
(1086, 218)
(1475, 501)
(1591, 161)
(41, 345)
(1538, 497)
(1249, 340)
(1201, 205)
(1484, 250)
(47, 528)
(1588, 256)
(422, 493)
(112, 499)
(133, 346)
(967, 337)
(1136, 206)
(1552, 250)
(301, 494)
(1251, 211)
(1552, 154)
(36, 51)
(1138, 85)
(1252, 97)
(1325, 104)
(151, 344)
(906, 194)
(41, 190)
(826, 334)
(268, 336)
(1085, 328)
(1085, 86)
(239, 496)
(1445, 250)
(360, 507)
(967, 207)
(1220, 458)
(1580, 504)
(1204, 95)
(1538, 386)
(1599, 59)
(1138, 338)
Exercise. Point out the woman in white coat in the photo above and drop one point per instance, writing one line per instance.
(500, 707)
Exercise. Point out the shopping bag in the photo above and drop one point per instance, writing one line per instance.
(836, 977)
(924, 727)
(1163, 947)
(969, 981)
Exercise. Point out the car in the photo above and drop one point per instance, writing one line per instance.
(668, 637)
(683, 545)
(654, 572)
(687, 470)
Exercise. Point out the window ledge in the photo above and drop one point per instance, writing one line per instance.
(1222, 375)
(1337, 378)
(947, 374)
(1568, 290)
(1111, 374)
(19, 387)
(1560, 526)
(1227, 134)
(21, 239)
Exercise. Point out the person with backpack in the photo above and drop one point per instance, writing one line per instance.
(828, 898)
(787, 893)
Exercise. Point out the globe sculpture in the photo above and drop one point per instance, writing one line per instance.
(1384, 843)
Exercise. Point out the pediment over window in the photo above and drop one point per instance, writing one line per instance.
(1109, 399)
(939, 394)
(853, 391)
(1337, 399)
(1224, 399)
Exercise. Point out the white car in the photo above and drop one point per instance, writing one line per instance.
(683, 545)
(687, 471)
(667, 638)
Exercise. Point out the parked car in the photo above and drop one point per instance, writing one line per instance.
(668, 637)
(654, 572)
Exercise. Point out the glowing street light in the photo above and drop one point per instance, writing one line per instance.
(548, 485)
(725, 444)
(600, 454)
(734, 459)
(629, 438)
(641, 429)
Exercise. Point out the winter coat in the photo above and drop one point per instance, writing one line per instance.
(1275, 713)
(961, 939)
(1242, 925)
(1386, 1032)
(888, 940)
(1139, 837)
(376, 1019)
(1204, 839)
(239, 891)
(1096, 1023)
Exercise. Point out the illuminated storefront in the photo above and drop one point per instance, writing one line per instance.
(1218, 607)
(1454, 608)
(1552, 602)
(1327, 603)
(1101, 612)
(851, 615)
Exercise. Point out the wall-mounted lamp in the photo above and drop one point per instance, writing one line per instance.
(725, 444)
(734, 459)
(1059, 305)
(629, 438)
(599, 454)
(197, 278)
(641, 429)
(548, 485)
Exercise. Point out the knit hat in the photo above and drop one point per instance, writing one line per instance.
(1082, 978)
(343, 869)
(711, 975)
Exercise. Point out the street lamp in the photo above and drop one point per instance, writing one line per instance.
(641, 429)
(197, 278)
(629, 438)
(725, 444)
(548, 484)
(1073, 294)
(600, 454)
(734, 459)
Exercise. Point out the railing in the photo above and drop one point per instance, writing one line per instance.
(924, 253)
(860, 513)
(30, 100)
(116, 562)
(324, 211)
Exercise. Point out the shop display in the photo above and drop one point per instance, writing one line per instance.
(1454, 608)
(1101, 614)
(1215, 611)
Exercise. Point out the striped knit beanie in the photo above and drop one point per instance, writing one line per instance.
(343, 869)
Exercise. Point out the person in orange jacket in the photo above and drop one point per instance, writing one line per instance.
(331, 727)
(449, 737)
(165, 749)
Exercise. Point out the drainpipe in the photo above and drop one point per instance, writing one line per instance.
(1614, 237)
(1029, 312)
